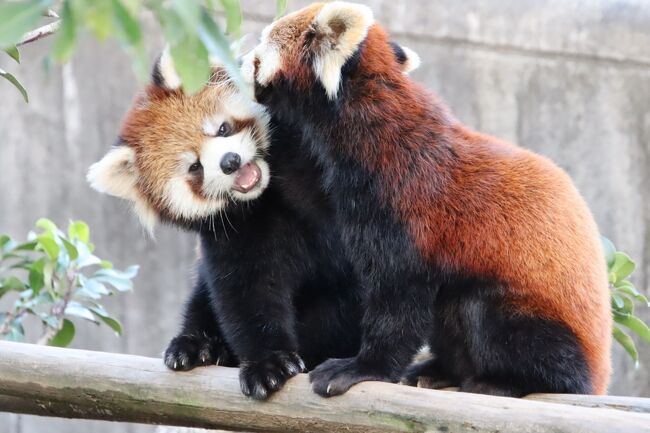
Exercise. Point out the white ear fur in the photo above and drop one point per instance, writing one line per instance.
(167, 70)
(349, 24)
(116, 174)
(412, 60)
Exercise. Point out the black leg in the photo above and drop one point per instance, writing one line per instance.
(200, 341)
(393, 328)
(257, 317)
(510, 353)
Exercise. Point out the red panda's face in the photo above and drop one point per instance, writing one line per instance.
(314, 44)
(183, 157)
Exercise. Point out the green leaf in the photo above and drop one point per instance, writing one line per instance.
(113, 323)
(106, 264)
(71, 249)
(79, 230)
(129, 32)
(65, 335)
(27, 246)
(617, 300)
(19, 17)
(49, 245)
(64, 43)
(79, 310)
(47, 225)
(628, 288)
(219, 48)
(233, 16)
(48, 272)
(4, 240)
(635, 324)
(627, 343)
(188, 52)
(36, 278)
(120, 280)
(91, 288)
(13, 53)
(12, 283)
(85, 257)
(127, 25)
(623, 265)
(10, 77)
(16, 332)
(280, 8)
(99, 20)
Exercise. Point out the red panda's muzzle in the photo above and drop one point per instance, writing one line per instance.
(247, 178)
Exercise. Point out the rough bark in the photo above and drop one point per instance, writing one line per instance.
(95, 385)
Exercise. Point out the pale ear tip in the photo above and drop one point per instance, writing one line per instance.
(413, 60)
(92, 178)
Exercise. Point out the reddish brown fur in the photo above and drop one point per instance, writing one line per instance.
(497, 210)
(545, 245)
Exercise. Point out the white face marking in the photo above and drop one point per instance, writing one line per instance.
(217, 186)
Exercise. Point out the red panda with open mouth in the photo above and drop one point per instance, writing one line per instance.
(184, 158)
(274, 292)
(482, 249)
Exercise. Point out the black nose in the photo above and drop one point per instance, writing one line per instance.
(230, 163)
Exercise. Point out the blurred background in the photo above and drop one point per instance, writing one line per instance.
(569, 79)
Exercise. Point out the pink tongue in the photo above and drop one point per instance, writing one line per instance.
(247, 177)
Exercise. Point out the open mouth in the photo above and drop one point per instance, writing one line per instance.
(247, 177)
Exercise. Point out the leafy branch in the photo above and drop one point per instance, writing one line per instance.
(56, 277)
(624, 295)
(189, 27)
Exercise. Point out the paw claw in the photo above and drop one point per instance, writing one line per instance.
(335, 376)
(269, 374)
(188, 351)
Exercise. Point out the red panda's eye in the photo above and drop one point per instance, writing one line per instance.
(195, 167)
(224, 130)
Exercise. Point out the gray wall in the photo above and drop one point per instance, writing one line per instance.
(567, 78)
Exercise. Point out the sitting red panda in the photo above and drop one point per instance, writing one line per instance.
(274, 291)
(482, 249)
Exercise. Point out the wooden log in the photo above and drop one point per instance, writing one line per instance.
(95, 385)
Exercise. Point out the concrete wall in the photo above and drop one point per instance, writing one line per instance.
(567, 78)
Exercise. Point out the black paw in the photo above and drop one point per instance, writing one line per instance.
(260, 379)
(426, 374)
(188, 351)
(336, 376)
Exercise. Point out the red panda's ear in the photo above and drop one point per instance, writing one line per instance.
(340, 28)
(406, 57)
(164, 73)
(115, 173)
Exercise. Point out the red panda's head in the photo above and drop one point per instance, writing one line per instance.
(320, 45)
(183, 158)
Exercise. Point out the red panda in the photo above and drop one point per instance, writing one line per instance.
(482, 249)
(274, 292)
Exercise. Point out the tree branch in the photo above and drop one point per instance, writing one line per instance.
(69, 383)
(40, 33)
